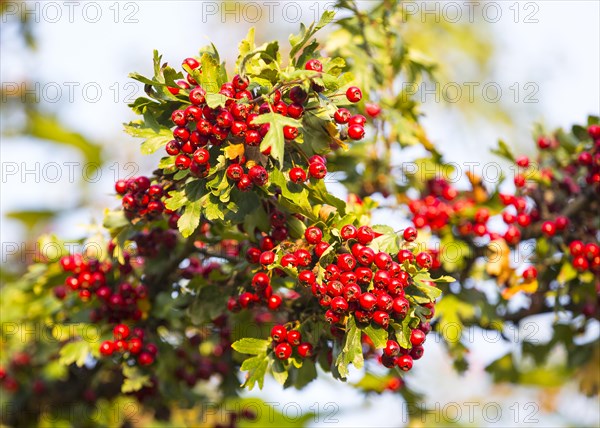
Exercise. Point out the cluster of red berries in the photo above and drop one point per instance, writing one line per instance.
(284, 343)
(149, 243)
(359, 282)
(130, 344)
(439, 206)
(585, 256)
(20, 364)
(95, 279)
(261, 282)
(198, 127)
(396, 356)
(141, 198)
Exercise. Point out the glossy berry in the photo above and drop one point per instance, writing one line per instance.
(381, 318)
(283, 351)
(342, 116)
(365, 235)
(372, 109)
(356, 132)
(317, 170)
(297, 175)
(417, 337)
(235, 172)
(314, 65)
(259, 175)
(404, 362)
(107, 348)
(305, 350)
(580, 263)
(290, 132)
(530, 273)
(182, 162)
(313, 235)
(121, 331)
(294, 337)
(548, 228)
(424, 260)
(267, 258)
(348, 232)
(409, 234)
(279, 333)
(145, 359)
(392, 348)
(367, 301)
(298, 95)
(274, 302)
(353, 94)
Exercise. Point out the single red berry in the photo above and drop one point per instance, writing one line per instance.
(404, 362)
(530, 274)
(107, 348)
(191, 63)
(366, 256)
(367, 301)
(145, 359)
(372, 109)
(135, 345)
(182, 162)
(274, 302)
(512, 235)
(240, 83)
(580, 263)
(342, 116)
(410, 234)
(383, 260)
(121, 331)
(245, 183)
(261, 280)
(400, 306)
(313, 235)
(381, 318)
(522, 161)
(289, 260)
(314, 65)
(297, 175)
(294, 337)
(306, 277)
(417, 337)
(594, 131)
(290, 132)
(353, 94)
(267, 258)
(356, 132)
(235, 172)
(348, 232)
(543, 142)
(424, 260)
(365, 235)
(279, 333)
(392, 349)
(320, 248)
(305, 350)
(576, 248)
(357, 119)
(592, 250)
(317, 170)
(259, 175)
(549, 228)
(295, 111)
(519, 180)
(283, 351)
(404, 255)
(197, 96)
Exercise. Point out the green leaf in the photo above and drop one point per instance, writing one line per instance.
(251, 346)
(214, 100)
(351, 352)
(154, 139)
(256, 368)
(246, 46)
(297, 194)
(504, 151)
(190, 219)
(299, 40)
(74, 352)
(210, 77)
(378, 335)
(274, 138)
(134, 380)
(567, 272)
(280, 373)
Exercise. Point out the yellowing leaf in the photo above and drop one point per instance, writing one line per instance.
(234, 151)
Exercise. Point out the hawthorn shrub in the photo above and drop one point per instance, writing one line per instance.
(232, 261)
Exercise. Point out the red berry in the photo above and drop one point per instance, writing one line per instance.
(592, 250)
(274, 302)
(417, 337)
(107, 348)
(305, 350)
(135, 345)
(353, 94)
(381, 318)
(383, 260)
(404, 255)
(235, 172)
(530, 273)
(258, 175)
(182, 162)
(279, 333)
(339, 304)
(576, 248)
(121, 331)
(594, 131)
(356, 132)
(392, 348)
(317, 170)
(297, 175)
(400, 306)
(145, 359)
(283, 351)
(294, 337)
(295, 111)
(267, 258)
(290, 132)
(313, 235)
(372, 109)
(548, 228)
(404, 362)
(365, 235)
(346, 262)
(298, 95)
(424, 260)
(261, 281)
(306, 277)
(342, 116)
(314, 65)
(580, 263)
(522, 161)
(348, 232)
(410, 234)
(240, 83)
(197, 96)
(367, 301)
(191, 63)
(544, 143)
